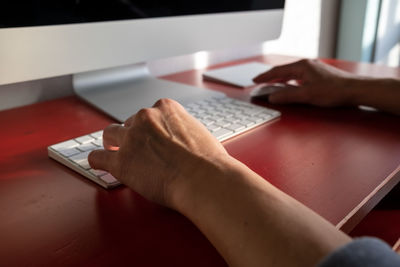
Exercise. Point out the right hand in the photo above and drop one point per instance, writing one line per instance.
(317, 84)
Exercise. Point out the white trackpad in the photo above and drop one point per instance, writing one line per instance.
(239, 75)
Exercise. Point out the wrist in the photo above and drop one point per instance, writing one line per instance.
(193, 188)
(354, 90)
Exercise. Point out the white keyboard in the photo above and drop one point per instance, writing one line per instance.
(224, 118)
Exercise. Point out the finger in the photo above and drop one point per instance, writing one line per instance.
(165, 107)
(283, 73)
(102, 159)
(129, 121)
(113, 136)
(293, 95)
(175, 125)
(132, 118)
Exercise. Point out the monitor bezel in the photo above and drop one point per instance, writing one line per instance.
(30, 53)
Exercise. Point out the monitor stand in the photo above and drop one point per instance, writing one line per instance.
(121, 92)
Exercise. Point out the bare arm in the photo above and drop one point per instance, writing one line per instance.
(168, 157)
(251, 223)
(323, 85)
(383, 94)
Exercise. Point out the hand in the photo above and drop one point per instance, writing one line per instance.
(316, 83)
(158, 152)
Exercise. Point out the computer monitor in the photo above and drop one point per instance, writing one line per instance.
(106, 44)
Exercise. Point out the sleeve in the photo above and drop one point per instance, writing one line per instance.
(365, 252)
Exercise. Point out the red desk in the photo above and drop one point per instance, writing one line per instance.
(339, 162)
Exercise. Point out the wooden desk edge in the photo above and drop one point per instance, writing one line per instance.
(396, 246)
(365, 206)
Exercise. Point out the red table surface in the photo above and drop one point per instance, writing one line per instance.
(340, 162)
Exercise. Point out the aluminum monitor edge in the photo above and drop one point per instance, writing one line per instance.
(31, 53)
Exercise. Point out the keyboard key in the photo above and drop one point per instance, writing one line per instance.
(97, 135)
(236, 127)
(202, 116)
(87, 147)
(84, 164)
(109, 179)
(213, 127)
(236, 111)
(240, 118)
(227, 114)
(207, 122)
(225, 100)
(209, 108)
(264, 116)
(193, 105)
(98, 172)
(256, 119)
(80, 157)
(197, 116)
(246, 123)
(68, 152)
(98, 142)
(222, 133)
(235, 119)
(224, 123)
(217, 118)
(66, 144)
(84, 139)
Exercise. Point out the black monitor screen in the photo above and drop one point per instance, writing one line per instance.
(15, 13)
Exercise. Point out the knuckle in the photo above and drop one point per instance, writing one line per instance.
(144, 113)
(148, 117)
(158, 102)
(168, 106)
(129, 121)
(165, 102)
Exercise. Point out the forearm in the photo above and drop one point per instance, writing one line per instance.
(383, 94)
(251, 223)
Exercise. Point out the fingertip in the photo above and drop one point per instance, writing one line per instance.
(113, 136)
(256, 79)
(129, 121)
(92, 158)
(101, 159)
(268, 76)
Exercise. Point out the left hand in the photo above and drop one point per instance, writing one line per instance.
(159, 152)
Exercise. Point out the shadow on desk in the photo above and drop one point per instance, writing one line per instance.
(131, 234)
(384, 220)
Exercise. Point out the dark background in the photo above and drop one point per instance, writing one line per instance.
(14, 13)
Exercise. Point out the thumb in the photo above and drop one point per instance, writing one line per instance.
(102, 159)
(287, 96)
